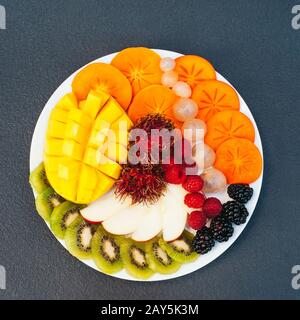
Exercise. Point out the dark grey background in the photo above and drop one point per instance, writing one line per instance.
(251, 43)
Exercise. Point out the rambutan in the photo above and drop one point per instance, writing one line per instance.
(142, 183)
(155, 137)
(154, 121)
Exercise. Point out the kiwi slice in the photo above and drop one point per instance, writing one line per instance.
(46, 201)
(106, 251)
(38, 179)
(78, 238)
(62, 217)
(180, 249)
(159, 260)
(135, 259)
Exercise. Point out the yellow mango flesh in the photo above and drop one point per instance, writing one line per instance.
(81, 162)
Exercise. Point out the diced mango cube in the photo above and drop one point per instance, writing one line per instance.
(72, 149)
(56, 129)
(123, 123)
(68, 169)
(67, 102)
(54, 147)
(84, 195)
(59, 115)
(97, 160)
(56, 183)
(118, 136)
(94, 102)
(105, 183)
(80, 117)
(96, 139)
(70, 188)
(52, 162)
(111, 111)
(76, 132)
(116, 152)
(101, 125)
(88, 177)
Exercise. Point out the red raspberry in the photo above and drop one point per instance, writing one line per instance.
(193, 184)
(175, 174)
(196, 220)
(170, 163)
(212, 207)
(194, 200)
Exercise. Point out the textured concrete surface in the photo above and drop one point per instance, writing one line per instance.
(251, 43)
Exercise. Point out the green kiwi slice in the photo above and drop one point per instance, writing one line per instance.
(62, 217)
(46, 201)
(78, 238)
(38, 179)
(180, 249)
(106, 251)
(159, 260)
(135, 259)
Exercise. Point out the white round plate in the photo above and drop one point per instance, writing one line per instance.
(36, 157)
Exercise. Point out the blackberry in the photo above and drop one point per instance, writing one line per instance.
(221, 228)
(240, 192)
(235, 212)
(203, 241)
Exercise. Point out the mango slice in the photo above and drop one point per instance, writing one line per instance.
(81, 160)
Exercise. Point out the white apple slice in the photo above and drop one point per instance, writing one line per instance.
(174, 215)
(103, 208)
(125, 221)
(151, 225)
(178, 192)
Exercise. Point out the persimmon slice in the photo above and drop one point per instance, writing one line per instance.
(153, 99)
(193, 69)
(102, 77)
(228, 124)
(140, 66)
(213, 96)
(239, 160)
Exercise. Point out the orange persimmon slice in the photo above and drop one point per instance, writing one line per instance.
(140, 66)
(213, 96)
(228, 124)
(153, 99)
(239, 160)
(102, 77)
(193, 69)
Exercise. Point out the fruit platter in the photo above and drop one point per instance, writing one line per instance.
(146, 164)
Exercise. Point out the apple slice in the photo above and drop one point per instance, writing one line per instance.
(104, 208)
(151, 225)
(178, 192)
(174, 215)
(125, 221)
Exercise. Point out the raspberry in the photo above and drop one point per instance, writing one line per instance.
(196, 220)
(175, 174)
(212, 207)
(194, 200)
(169, 162)
(193, 184)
